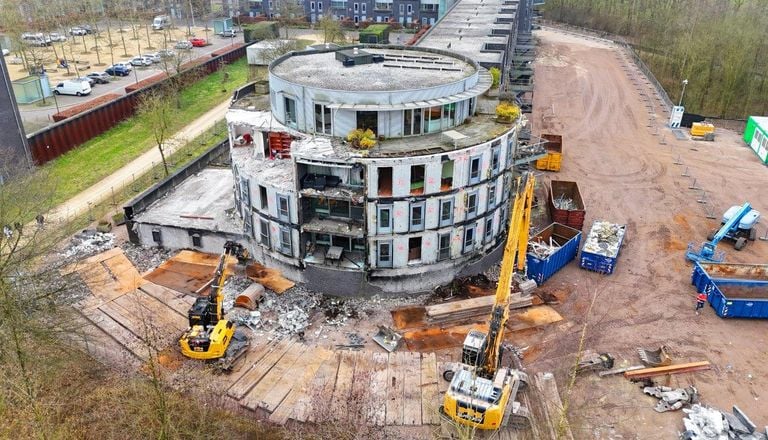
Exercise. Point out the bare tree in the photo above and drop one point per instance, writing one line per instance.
(332, 30)
(287, 12)
(159, 114)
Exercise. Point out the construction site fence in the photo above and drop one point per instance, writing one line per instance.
(61, 137)
(219, 153)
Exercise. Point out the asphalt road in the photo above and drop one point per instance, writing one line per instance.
(37, 117)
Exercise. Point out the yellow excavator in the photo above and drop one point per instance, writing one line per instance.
(483, 390)
(210, 336)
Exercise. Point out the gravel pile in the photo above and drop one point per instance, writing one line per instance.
(146, 258)
(88, 242)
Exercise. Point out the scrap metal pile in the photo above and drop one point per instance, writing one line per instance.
(705, 423)
(542, 249)
(566, 203)
(604, 239)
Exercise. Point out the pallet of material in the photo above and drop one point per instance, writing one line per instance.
(468, 309)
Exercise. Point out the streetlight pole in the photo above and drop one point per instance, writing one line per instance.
(685, 82)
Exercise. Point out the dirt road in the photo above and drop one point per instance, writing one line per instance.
(613, 150)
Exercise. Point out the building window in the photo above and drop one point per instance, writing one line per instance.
(414, 249)
(384, 222)
(410, 8)
(385, 181)
(432, 117)
(320, 6)
(383, 7)
(285, 241)
(495, 160)
(283, 208)
(488, 229)
(263, 197)
(357, 19)
(356, 7)
(384, 253)
(449, 114)
(290, 112)
(197, 240)
(417, 216)
(510, 150)
(402, 9)
(311, 6)
(446, 212)
(444, 247)
(429, 8)
(411, 121)
(157, 236)
(248, 224)
(322, 119)
(446, 177)
(474, 169)
(245, 191)
(469, 238)
(264, 233)
(491, 196)
(417, 179)
(471, 207)
(363, 8)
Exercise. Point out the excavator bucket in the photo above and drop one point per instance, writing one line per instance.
(655, 358)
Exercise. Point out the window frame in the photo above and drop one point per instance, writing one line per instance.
(479, 161)
(449, 221)
(488, 229)
(467, 248)
(284, 216)
(264, 233)
(491, 200)
(294, 121)
(384, 263)
(470, 214)
(420, 225)
(380, 229)
(286, 248)
(441, 249)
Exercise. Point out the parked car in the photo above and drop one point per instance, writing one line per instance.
(78, 88)
(183, 45)
(99, 77)
(91, 81)
(77, 31)
(166, 53)
(229, 33)
(141, 61)
(36, 39)
(152, 56)
(55, 36)
(197, 42)
(87, 28)
(117, 70)
(126, 64)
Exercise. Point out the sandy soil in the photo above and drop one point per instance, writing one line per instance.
(613, 149)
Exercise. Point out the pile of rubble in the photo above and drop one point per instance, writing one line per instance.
(705, 423)
(566, 203)
(604, 238)
(146, 258)
(543, 250)
(89, 242)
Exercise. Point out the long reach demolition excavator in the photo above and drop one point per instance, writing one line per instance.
(210, 336)
(483, 386)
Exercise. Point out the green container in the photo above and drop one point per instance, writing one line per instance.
(756, 136)
(375, 34)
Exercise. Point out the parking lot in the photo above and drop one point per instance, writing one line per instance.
(37, 116)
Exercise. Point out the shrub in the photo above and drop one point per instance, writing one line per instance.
(507, 111)
(496, 75)
(363, 139)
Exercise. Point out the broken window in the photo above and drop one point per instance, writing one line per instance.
(285, 241)
(474, 169)
(491, 196)
(385, 219)
(414, 249)
(471, 207)
(156, 236)
(245, 191)
(469, 238)
(356, 212)
(385, 181)
(446, 212)
(339, 208)
(444, 247)
(488, 229)
(446, 177)
(384, 253)
(290, 112)
(248, 224)
(264, 233)
(417, 216)
(342, 242)
(322, 119)
(358, 244)
(283, 208)
(510, 149)
(263, 197)
(324, 239)
(417, 179)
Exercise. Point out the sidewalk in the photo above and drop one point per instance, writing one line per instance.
(103, 189)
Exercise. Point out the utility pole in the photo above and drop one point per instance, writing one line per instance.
(685, 83)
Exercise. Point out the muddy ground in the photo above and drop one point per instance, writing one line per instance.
(614, 148)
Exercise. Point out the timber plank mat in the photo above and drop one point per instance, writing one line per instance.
(412, 389)
(340, 399)
(255, 374)
(299, 388)
(255, 397)
(321, 385)
(182, 276)
(429, 390)
(178, 302)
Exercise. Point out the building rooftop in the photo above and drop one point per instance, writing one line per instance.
(467, 28)
(204, 201)
(278, 173)
(402, 69)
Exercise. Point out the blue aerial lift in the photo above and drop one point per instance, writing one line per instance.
(738, 225)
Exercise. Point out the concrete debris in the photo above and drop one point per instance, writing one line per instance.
(89, 242)
(541, 249)
(146, 258)
(293, 321)
(671, 399)
(705, 423)
(337, 311)
(604, 239)
(493, 272)
(566, 203)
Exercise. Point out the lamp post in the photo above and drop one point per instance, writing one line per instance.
(685, 82)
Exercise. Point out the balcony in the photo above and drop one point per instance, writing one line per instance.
(324, 255)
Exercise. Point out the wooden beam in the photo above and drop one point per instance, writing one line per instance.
(669, 369)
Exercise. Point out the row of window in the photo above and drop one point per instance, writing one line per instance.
(284, 244)
(384, 252)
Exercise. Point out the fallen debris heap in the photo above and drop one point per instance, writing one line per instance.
(705, 423)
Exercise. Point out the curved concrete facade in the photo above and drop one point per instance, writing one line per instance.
(424, 205)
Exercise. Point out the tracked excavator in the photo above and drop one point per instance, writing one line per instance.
(210, 336)
(483, 385)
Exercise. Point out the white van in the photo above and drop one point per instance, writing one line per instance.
(161, 22)
(78, 88)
